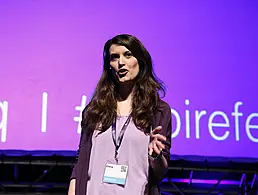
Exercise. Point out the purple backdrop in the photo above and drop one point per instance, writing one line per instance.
(205, 52)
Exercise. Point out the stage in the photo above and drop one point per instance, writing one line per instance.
(39, 174)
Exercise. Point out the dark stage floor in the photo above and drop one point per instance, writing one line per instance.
(50, 175)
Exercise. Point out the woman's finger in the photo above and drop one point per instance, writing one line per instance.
(156, 149)
(159, 137)
(150, 149)
(160, 145)
(156, 130)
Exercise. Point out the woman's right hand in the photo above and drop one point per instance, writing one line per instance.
(71, 190)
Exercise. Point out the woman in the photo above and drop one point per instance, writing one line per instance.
(126, 128)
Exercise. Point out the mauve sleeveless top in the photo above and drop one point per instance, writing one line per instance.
(132, 152)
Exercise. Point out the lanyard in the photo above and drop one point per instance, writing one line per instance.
(121, 135)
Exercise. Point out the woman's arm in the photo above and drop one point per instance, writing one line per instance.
(158, 159)
(71, 190)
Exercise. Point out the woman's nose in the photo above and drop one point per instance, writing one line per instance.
(121, 62)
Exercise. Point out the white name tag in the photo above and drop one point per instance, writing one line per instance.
(115, 174)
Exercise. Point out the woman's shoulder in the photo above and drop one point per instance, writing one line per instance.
(162, 116)
(163, 106)
(162, 111)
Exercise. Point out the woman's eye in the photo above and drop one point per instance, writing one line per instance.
(128, 54)
(113, 57)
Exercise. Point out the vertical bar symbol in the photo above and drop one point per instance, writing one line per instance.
(3, 122)
(44, 112)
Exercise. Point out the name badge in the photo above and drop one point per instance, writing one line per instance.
(115, 174)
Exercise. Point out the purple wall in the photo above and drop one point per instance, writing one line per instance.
(205, 52)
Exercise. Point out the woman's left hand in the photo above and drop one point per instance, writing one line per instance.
(156, 146)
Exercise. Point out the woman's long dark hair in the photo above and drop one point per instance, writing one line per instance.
(102, 109)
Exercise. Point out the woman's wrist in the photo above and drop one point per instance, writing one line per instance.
(155, 156)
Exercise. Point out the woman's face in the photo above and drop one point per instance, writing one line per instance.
(124, 65)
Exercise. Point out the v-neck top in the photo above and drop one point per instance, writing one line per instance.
(132, 152)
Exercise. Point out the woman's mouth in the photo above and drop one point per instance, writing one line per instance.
(122, 72)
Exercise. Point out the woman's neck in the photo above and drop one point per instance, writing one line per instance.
(124, 99)
(125, 91)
